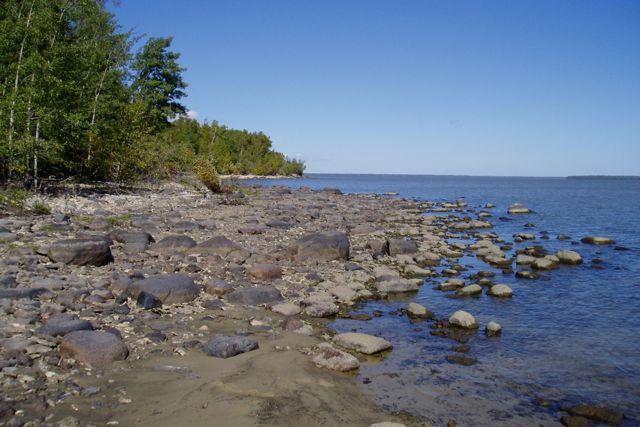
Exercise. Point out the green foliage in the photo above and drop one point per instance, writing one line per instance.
(40, 208)
(77, 101)
(206, 173)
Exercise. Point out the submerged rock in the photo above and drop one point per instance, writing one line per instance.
(597, 413)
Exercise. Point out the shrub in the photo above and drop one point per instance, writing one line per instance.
(206, 173)
(40, 208)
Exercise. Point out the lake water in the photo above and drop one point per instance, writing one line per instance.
(572, 336)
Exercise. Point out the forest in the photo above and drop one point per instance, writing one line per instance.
(83, 99)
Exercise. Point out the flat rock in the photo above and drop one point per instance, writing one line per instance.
(222, 246)
(254, 296)
(286, 309)
(98, 348)
(518, 208)
(362, 343)
(168, 288)
(225, 346)
(327, 356)
(63, 327)
(94, 252)
(174, 243)
(396, 286)
(597, 240)
(402, 246)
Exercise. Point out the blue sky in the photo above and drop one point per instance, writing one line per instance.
(534, 88)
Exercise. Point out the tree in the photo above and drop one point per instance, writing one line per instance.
(158, 81)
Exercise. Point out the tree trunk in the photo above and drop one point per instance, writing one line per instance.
(36, 149)
(16, 83)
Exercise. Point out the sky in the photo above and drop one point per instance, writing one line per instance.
(514, 88)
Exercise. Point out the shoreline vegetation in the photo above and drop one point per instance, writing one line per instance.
(79, 102)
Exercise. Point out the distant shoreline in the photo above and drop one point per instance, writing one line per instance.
(243, 177)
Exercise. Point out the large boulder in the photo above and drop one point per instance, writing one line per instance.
(254, 296)
(85, 251)
(97, 348)
(362, 343)
(320, 247)
(264, 272)
(168, 288)
(402, 246)
(464, 320)
(225, 346)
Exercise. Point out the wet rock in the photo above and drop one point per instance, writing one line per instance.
(518, 208)
(523, 259)
(526, 274)
(597, 240)
(462, 319)
(569, 257)
(94, 252)
(320, 247)
(574, 421)
(62, 327)
(459, 359)
(168, 288)
(418, 311)
(254, 296)
(470, 290)
(597, 413)
(174, 243)
(327, 356)
(493, 329)
(451, 284)
(98, 348)
(265, 272)
(402, 246)
(547, 263)
(225, 346)
(363, 343)
(148, 301)
(502, 291)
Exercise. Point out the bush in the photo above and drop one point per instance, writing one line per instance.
(206, 173)
(40, 208)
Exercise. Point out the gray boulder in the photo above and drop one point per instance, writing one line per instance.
(320, 247)
(176, 242)
(81, 252)
(225, 346)
(254, 296)
(97, 348)
(63, 327)
(168, 288)
(402, 246)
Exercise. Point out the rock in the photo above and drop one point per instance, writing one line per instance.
(574, 421)
(220, 245)
(97, 348)
(597, 240)
(502, 291)
(327, 356)
(451, 285)
(94, 252)
(344, 293)
(526, 274)
(320, 247)
(463, 319)
(320, 305)
(402, 246)
(378, 247)
(398, 285)
(148, 301)
(286, 309)
(363, 343)
(517, 208)
(418, 311)
(173, 243)
(63, 327)
(217, 287)
(387, 424)
(546, 263)
(168, 288)
(264, 271)
(597, 413)
(225, 346)
(523, 259)
(254, 296)
(470, 290)
(131, 237)
(459, 359)
(19, 293)
(493, 329)
(569, 257)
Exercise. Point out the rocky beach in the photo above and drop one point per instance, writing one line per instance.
(168, 304)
